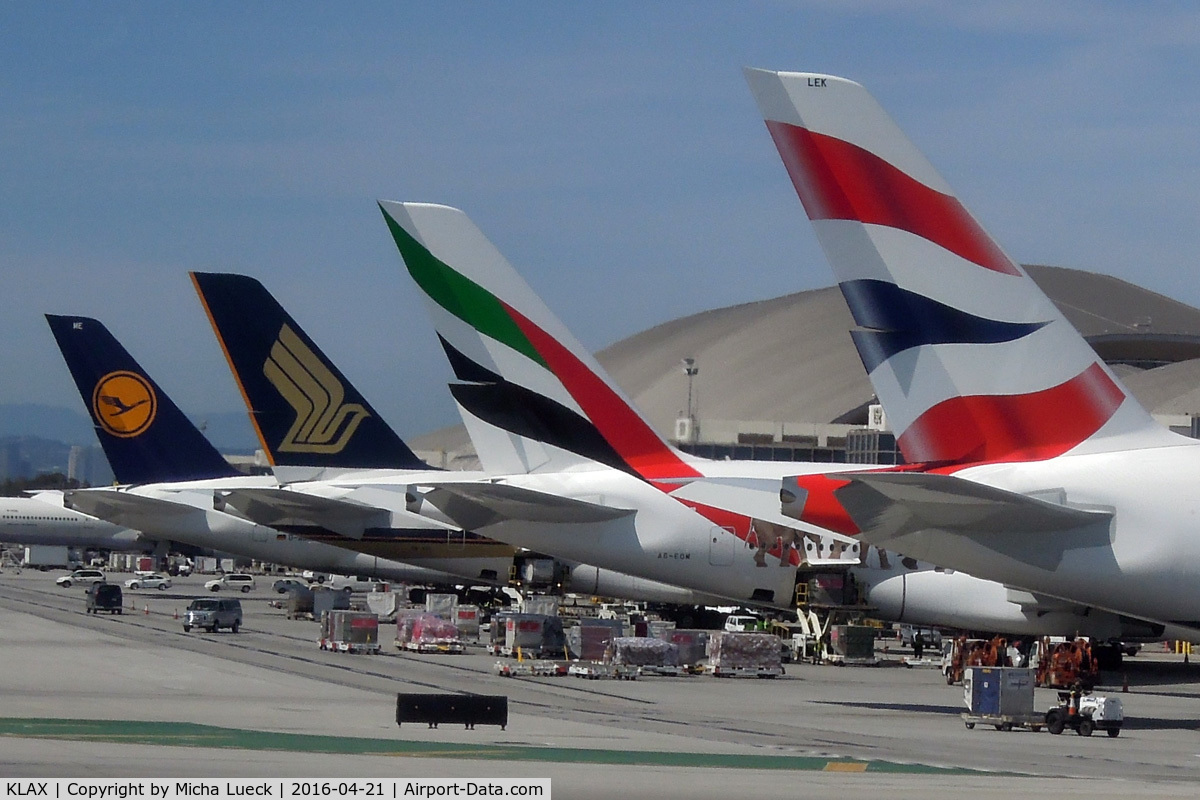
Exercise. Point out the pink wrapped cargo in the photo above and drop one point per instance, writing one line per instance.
(432, 634)
(742, 653)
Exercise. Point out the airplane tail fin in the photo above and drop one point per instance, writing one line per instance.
(525, 383)
(303, 409)
(971, 360)
(145, 436)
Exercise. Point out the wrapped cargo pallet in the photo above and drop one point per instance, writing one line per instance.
(441, 604)
(691, 644)
(432, 634)
(299, 602)
(744, 653)
(643, 651)
(404, 625)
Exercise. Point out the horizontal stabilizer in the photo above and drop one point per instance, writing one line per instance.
(283, 507)
(952, 522)
(928, 500)
(123, 508)
(475, 505)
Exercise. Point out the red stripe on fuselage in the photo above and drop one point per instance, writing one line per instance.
(1024, 427)
(628, 434)
(839, 180)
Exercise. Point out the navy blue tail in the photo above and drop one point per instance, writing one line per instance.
(145, 436)
(305, 411)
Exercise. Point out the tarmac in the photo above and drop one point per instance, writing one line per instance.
(133, 696)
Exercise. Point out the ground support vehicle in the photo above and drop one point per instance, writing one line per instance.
(530, 669)
(213, 614)
(596, 670)
(1085, 714)
(718, 671)
(104, 597)
(1005, 722)
(1001, 697)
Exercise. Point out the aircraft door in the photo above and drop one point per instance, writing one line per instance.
(722, 544)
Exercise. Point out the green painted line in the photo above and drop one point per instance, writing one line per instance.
(186, 734)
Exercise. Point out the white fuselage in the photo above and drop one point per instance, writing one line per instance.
(190, 517)
(42, 519)
(1142, 563)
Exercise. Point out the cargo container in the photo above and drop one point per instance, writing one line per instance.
(1000, 696)
(466, 619)
(852, 645)
(346, 631)
(324, 600)
(46, 556)
(691, 644)
(533, 635)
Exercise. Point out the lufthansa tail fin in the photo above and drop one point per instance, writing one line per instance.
(525, 382)
(971, 360)
(145, 436)
(303, 409)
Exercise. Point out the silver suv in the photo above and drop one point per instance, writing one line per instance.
(234, 581)
(212, 614)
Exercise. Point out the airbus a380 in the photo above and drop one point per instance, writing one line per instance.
(152, 446)
(1032, 465)
(533, 397)
(312, 421)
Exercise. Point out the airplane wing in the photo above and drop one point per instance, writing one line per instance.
(932, 517)
(474, 505)
(282, 507)
(123, 508)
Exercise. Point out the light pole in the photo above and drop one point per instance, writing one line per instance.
(691, 370)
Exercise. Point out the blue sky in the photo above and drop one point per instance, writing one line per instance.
(610, 150)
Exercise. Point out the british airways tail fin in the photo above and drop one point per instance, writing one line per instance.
(145, 436)
(303, 409)
(970, 359)
(532, 397)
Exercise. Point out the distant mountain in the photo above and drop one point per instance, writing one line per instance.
(46, 422)
(229, 431)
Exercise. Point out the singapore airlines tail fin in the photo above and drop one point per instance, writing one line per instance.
(971, 360)
(305, 412)
(145, 436)
(532, 397)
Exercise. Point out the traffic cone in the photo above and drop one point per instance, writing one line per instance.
(177, 613)
(1125, 684)
(146, 610)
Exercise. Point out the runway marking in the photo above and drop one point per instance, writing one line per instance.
(186, 734)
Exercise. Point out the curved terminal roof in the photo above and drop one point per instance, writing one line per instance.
(791, 360)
